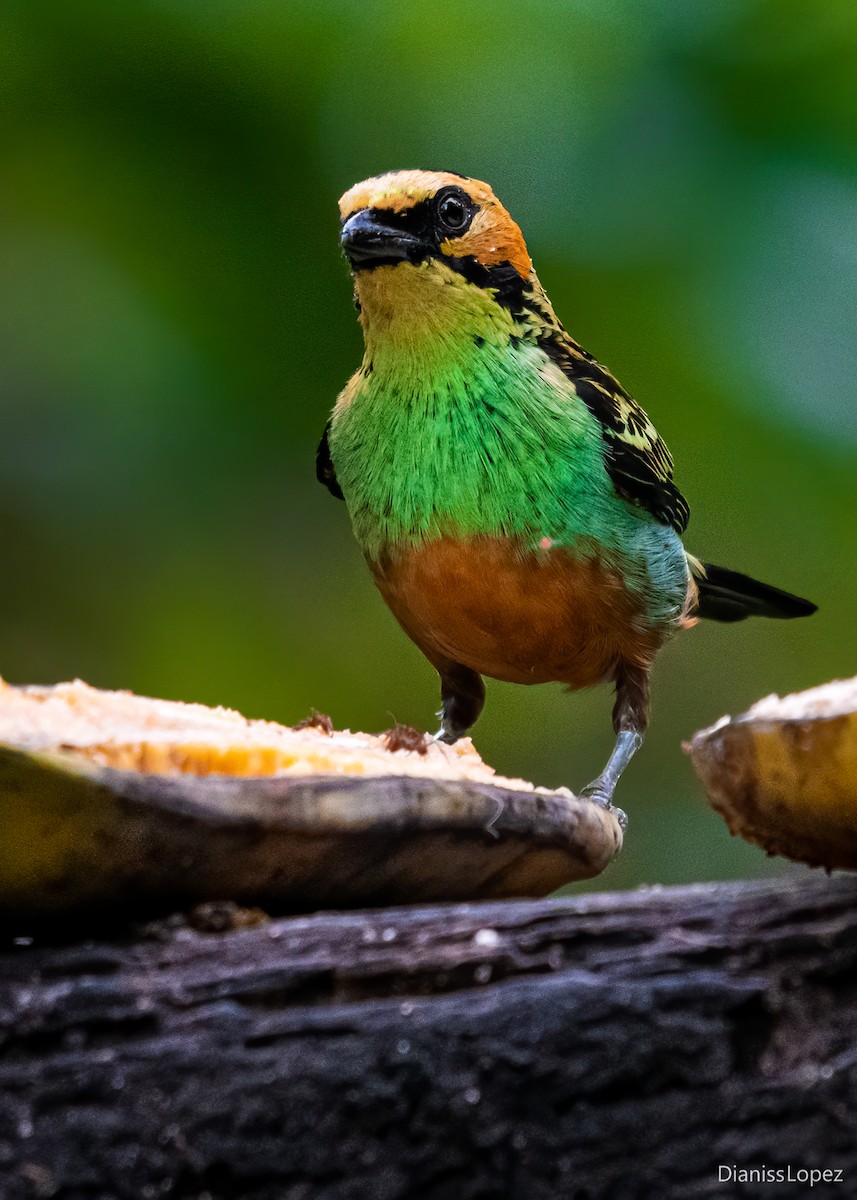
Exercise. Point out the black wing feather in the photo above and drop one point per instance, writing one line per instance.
(636, 456)
(324, 471)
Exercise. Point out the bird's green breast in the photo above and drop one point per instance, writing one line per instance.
(455, 426)
(490, 441)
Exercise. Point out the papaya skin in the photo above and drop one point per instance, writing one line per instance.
(784, 775)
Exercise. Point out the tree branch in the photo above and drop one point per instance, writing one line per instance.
(608, 1046)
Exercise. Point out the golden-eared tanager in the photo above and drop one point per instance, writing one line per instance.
(515, 505)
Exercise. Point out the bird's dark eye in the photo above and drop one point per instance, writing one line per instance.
(454, 210)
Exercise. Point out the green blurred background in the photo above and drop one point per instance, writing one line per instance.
(176, 321)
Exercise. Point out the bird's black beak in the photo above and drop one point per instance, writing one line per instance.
(368, 242)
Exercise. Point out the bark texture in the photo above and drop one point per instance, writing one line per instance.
(618, 1046)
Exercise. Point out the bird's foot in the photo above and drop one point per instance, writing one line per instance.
(599, 791)
(449, 732)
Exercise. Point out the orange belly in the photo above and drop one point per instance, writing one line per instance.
(521, 616)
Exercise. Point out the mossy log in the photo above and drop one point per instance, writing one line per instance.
(622, 1046)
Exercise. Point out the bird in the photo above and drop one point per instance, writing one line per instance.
(515, 505)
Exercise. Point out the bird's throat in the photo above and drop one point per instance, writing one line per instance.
(418, 317)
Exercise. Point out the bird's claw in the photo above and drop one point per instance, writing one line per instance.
(603, 796)
(598, 792)
(445, 736)
(449, 736)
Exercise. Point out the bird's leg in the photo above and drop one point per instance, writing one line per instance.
(601, 790)
(462, 694)
(630, 719)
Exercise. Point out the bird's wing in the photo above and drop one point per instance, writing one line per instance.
(636, 456)
(324, 471)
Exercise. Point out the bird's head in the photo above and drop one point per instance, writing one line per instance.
(415, 216)
(431, 249)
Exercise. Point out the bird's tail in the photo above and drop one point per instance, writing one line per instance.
(726, 595)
